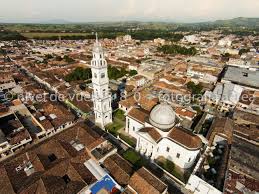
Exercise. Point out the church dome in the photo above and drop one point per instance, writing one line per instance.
(162, 116)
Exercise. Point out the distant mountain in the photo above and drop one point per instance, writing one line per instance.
(34, 21)
(241, 21)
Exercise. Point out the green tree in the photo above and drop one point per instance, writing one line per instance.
(79, 73)
(133, 72)
(176, 49)
(68, 59)
(242, 51)
(195, 88)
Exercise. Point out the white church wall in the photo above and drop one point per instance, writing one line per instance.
(181, 156)
(133, 126)
(145, 147)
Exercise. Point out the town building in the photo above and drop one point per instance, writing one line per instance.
(224, 97)
(158, 134)
(101, 95)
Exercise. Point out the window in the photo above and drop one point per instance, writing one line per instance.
(95, 75)
(167, 149)
(157, 149)
(245, 74)
(100, 55)
(177, 155)
(103, 75)
(189, 160)
(133, 128)
(128, 123)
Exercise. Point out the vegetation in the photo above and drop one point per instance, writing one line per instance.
(242, 51)
(195, 88)
(176, 49)
(119, 114)
(169, 166)
(114, 127)
(152, 34)
(116, 73)
(68, 59)
(79, 73)
(9, 35)
(134, 158)
(133, 72)
(128, 140)
(56, 36)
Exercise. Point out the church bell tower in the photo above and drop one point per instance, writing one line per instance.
(101, 95)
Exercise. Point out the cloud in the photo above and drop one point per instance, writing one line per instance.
(103, 10)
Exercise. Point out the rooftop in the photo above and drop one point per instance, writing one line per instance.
(222, 127)
(242, 76)
(244, 157)
(185, 138)
(120, 169)
(58, 166)
(145, 182)
(152, 132)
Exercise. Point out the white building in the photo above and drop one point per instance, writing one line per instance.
(225, 42)
(158, 135)
(101, 94)
(225, 96)
(127, 38)
(193, 39)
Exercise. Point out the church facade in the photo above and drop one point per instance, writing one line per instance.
(159, 135)
(101, 95)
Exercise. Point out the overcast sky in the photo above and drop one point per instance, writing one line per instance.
(121, 10)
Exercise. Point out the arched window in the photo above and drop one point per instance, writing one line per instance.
(95, 75)
(103, 75)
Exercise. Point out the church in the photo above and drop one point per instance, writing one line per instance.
(101, 96)
(158, 133)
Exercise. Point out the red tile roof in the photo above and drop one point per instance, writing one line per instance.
(185, 138)
(138, 114)
(144, 182)
(152, 132)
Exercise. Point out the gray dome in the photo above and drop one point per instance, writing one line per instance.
(162, 116)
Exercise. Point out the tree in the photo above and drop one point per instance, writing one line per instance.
(176, 49)
(68, 59)
(242, 51)
(195, 89)
(116, 73)
(133, 72)
(79, 73)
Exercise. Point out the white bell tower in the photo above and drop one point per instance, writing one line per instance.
(101, 94)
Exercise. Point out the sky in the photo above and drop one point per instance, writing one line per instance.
(125, 10)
